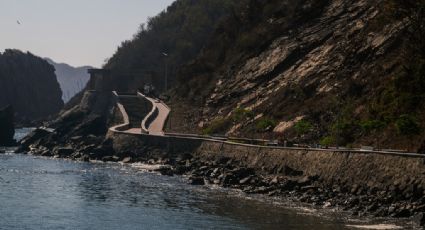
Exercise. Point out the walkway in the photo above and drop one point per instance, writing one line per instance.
(153, 124)
(134, 108)
(158, 117)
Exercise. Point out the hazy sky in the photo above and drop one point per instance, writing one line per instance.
(77, 32)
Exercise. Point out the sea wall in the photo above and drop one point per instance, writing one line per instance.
(349, 170)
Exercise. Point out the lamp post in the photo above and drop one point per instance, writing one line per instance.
(166, 71)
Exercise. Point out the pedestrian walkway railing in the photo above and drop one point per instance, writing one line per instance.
(260, 143)
(126, 120)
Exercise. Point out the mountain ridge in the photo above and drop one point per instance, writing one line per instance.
(71, 79)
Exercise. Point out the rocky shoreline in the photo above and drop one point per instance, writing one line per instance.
(285, 182)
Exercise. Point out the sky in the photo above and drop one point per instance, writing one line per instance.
(76, 32)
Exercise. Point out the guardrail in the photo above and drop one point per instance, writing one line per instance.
(126, 120)
(258, 143)
(151, 115)
(150, 118)
(231, 140)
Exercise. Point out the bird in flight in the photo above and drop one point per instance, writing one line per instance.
(17, 21)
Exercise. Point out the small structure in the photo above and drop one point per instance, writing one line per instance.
(119, 80)
(100, 79)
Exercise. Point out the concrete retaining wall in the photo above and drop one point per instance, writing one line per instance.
(388, 172)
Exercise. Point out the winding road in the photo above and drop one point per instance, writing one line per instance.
(160, 111)
(135, 122)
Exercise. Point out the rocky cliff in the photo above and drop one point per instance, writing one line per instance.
(29, 84)
(71, 79)
(7, 129)
(337, 72)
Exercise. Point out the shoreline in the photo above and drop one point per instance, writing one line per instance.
(271, 188)
(290, 202)
(365, 184)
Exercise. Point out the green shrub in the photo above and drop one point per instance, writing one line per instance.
(265, 124)
(217, 126)
(327, 141)
(303, 127)
(372, 125)
(344, 131)
(407, 125)
(241, 114)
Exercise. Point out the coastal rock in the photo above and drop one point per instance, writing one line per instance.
(63, 151)
(29, 84)
(165, 170)
(196, 181)
(35, 136)
(110, 159)
(7, 129)
(127, 160)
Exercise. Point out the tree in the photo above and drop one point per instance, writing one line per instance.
(181, 31)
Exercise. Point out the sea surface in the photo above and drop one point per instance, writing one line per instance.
(45, 193)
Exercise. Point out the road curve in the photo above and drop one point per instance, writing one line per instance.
(156, 127)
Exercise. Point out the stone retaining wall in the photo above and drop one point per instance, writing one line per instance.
(373, 171)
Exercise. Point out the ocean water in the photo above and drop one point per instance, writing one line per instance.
(44, 193)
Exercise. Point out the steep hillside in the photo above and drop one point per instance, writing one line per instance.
(29, 84)
(172, 38)
(71, 79)
(337, 72)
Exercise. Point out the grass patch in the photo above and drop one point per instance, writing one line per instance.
(217, 126)
(265, 124)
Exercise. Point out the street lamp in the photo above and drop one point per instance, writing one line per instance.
(166, 71)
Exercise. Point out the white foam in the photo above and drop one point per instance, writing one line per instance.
(147, 167)
(376, 227)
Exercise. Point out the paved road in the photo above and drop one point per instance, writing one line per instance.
(157, 126)
(131, 110)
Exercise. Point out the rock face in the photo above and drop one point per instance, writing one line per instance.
(7, 129)
(29, 84)
(333, 63)
(71, 79)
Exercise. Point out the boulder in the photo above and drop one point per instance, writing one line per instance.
(63, 151)
(110, 159)
(34, 136)
(196, 181)
(165, 171)
(7, 130)
(127, 160)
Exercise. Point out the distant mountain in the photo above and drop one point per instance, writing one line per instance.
(28, 83)
(71, 79)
